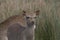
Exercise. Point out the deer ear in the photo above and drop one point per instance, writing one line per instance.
(37, 12)
(24, 12)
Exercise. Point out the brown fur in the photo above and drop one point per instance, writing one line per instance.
(12, 20)
(23, 22)
(17, 19)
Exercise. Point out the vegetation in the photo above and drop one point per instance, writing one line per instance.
(48, 22)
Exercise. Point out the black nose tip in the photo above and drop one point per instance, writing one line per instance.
(32, 22)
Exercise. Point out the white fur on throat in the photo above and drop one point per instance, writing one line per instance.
(34, 26)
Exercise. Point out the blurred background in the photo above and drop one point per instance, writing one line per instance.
(48, 21)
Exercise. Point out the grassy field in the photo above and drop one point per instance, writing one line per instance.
(48, 21)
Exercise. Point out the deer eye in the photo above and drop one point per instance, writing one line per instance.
(27, 17)
(35, 17)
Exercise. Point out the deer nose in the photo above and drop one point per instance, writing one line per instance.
(32, 22)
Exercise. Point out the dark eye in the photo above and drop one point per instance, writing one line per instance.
(27, 17)
(34, 17)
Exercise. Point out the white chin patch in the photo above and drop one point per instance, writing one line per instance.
(6, 38)
(34, 26)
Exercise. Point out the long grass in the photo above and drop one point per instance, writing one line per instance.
(48, 22)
